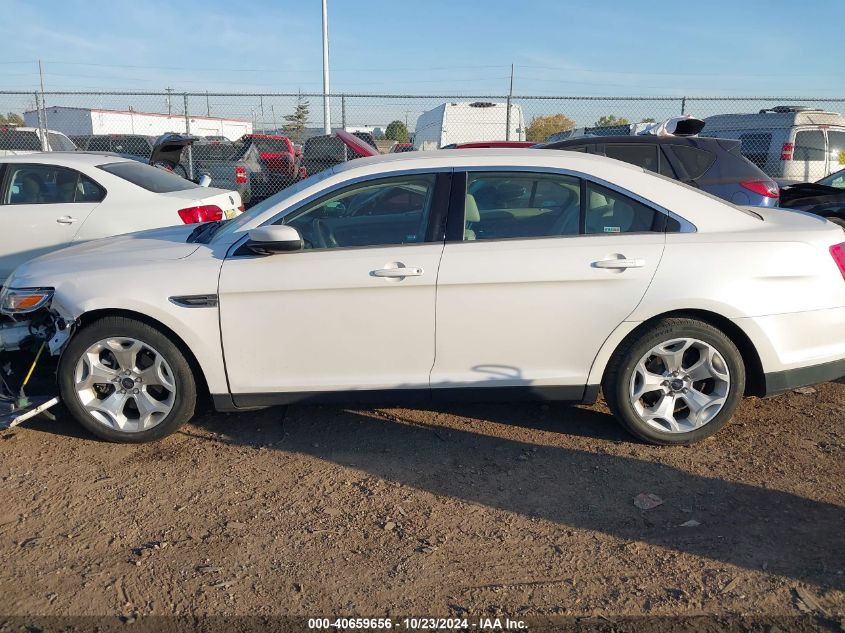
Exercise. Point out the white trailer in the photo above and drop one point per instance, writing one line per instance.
(451, 123)
(86, 121)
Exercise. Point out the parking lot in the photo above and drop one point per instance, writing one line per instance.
(526, 510)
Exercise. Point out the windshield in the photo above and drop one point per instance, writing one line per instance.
(148, 177)
(836, 179)
(232, 226)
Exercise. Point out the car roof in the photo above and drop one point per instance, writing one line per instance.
(642, 139)
(481, 157)
(67, 158)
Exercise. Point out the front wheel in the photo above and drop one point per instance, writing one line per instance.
(125, 381)
(677, 382)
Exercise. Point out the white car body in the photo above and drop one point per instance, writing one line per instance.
(30, 230)
(534, 316)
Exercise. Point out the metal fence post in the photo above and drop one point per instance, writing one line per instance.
(683, 105)
(188, 131)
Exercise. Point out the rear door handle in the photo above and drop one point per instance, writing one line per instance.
(619, 263)
(398, 272)
(66, 219)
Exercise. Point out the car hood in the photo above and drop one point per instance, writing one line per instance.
(157, 245)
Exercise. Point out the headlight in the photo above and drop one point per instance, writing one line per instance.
(22, 300)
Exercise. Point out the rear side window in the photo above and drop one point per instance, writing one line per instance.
(609, 212)
(695, 161)
(644, 156)
(99, 144)
(48, 184)
(809, 145)
(836, 143)
(755, 147)
(148, 177)
(13, 139)
(134, 145)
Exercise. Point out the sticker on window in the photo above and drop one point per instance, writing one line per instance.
(842, 158)
(612, 229)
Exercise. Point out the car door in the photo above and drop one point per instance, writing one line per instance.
(547, 266)
(353, 310)
(41, 210)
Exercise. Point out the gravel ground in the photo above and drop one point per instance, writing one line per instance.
(520, 510)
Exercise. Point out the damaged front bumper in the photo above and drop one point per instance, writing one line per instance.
(30, 335)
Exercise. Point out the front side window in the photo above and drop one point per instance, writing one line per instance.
(609, 212)
(809, 145)
(385, 212)
(47, 184)
(502, 205)
(13, 139)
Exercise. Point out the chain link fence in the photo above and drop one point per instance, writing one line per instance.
(261, 143)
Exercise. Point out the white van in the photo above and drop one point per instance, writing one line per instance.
(454, 123)
(790, 143)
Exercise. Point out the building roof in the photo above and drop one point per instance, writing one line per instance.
(158, 114)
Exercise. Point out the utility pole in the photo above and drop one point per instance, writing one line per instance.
(43, 107)
(508, 119)
(188, 132)
(273, 114)
(327, 122)
(207, 105)
(169, 91)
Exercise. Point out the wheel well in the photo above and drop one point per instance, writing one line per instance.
(755, 378)
(202, 385)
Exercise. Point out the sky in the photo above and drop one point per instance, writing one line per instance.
(432, 47)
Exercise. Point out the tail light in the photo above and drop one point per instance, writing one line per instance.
(204, 213)
(242, 207)
(767, 188)
(838, 253)
(786, 151)
(240, 175)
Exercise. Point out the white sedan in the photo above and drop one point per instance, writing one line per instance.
(52, 199)
(435, 276)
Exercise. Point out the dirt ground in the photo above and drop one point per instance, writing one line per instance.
(519, 510)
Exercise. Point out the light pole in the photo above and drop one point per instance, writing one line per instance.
(327, 122)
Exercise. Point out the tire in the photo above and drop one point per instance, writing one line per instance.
(643, 361)
(95, 384)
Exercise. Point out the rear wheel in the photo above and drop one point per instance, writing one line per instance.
(676, 383)
(125, 381)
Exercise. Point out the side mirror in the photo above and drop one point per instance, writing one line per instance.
(276, 238)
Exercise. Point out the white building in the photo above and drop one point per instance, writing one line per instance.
(85, 121)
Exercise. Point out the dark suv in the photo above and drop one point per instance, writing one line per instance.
(714, 165)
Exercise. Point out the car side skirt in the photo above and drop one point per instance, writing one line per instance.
(781, 381)
(560, 393)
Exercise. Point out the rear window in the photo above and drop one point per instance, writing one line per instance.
(695, 161)
(148, 177)
(809, 145)
(271, 145)
(17, 140)
(836, 141)
(60, 142)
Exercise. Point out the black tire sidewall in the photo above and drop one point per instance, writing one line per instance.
(619, 399)
(109, 327)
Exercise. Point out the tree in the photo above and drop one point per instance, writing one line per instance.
(396, 131)
(610, 119)
(648, 120)
(298, 120)
(542, 127)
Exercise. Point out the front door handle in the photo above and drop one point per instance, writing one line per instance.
(619, 263)
(66, 219)
(398, 272)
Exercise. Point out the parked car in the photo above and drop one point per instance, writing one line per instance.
(713, 165)
(825, 197)
(489, 144)
(138, 145)
(548, 275)
(398, 148)
(25, 140)
(322, 152)
(53, 199)
(256, 166)
(790, 143)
